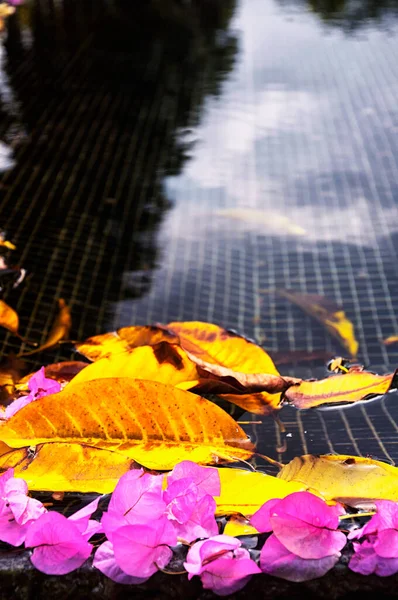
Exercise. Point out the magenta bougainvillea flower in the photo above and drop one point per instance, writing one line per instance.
(104, 560)
(191, 510)
(39, 385)
(305, 543)
(140, 550)
(59, 546)
(17, 510)
(378, 552)
(222, 565)
(207, 479)
(303, 523)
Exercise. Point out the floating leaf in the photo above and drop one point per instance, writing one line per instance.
(155, 424)
(163, 362)
(353, 480)
(245, 491)
(66, 467)
(328, 313)
(59, 331)
(123, 340)
(393, 339)
(9, 318)
(339, 389)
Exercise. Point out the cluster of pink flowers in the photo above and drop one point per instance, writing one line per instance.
(149, 516)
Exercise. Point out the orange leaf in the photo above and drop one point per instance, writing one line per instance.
(8, 318)
(393, 339)
(327, 312)
(339, 389)
(59, 331)
(155, 424)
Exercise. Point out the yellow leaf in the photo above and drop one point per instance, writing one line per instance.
(238, 525)
(123, 340)
(328, 313)
(163, 362)
(339, 389)
(353, 480)
(66, 467)
(155, 424)
(245, 491)
(59, 331)
(393, 339)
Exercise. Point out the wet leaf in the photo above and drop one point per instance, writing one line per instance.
(9, 318)
(239, 525)
(59, 331)
(66, 467)
(244, 491)
(353, 386)
(163, 362)
(157, 425)
(123, 340)
(393, 339)
(353, 480)
(327, 312)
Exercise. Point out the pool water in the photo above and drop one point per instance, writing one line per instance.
(181, 160)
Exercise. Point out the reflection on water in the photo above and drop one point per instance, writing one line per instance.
(181, 158)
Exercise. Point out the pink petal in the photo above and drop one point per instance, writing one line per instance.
(140, 550)
(306, 526)
(202, 523)
(201, 553)
(104, 561)
(88, 527)
(39, 385)
(261, 519)
(6, 476)
(138, 497)
(15, 406)
(366, 561)
(25, 509)
(276, 560)
(206, 478)
(181, 498)
(10, 531)
(386, 544)
(226, 575)
(59, 547)
(385, 518)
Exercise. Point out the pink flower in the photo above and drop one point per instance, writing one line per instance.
(207, 479)
(104, 560)
(277, 560)
(59, 546)
(17, 510)
(303, 523)
(137, 499)
(140, 550)
(39, 385)
(223, 566)
(190, 509)
(378, 552)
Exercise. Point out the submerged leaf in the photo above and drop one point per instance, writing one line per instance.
(353, 386)
(327, 312)
(155, 424)
(353, 480)
(59, 331)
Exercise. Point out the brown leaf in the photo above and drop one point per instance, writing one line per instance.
(353, 480)
(59, 331)
(10, 374)
(354, 386)
(157, 425)
(299, 356)
(327, 312)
